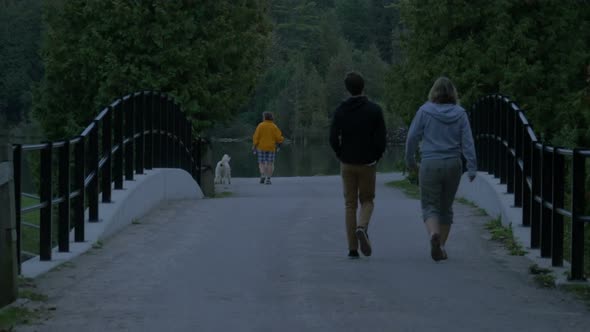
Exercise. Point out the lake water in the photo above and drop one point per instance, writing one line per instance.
(296, 159)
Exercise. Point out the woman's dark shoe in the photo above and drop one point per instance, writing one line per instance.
(353, 254)
(262, 178)
(435, 251)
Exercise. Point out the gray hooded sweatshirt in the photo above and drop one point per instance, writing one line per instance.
(445, 133)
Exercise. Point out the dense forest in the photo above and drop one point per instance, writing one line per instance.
(536, 52)
(20, 63)
(228, 61)
(313, 45)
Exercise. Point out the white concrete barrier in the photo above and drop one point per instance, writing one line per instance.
(138, 198)
(487, 193)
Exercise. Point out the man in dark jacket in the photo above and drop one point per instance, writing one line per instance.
(357, 136)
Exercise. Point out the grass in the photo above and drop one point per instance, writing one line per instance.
(480, 211)
(581, 291)
(98, 245)
(223, 194)
(545, 280)
(542, 276)
(505, 236)
(30, 236)
(465, 202)
(32, 295)
(411, 190)
(12, 316)
(135, 221)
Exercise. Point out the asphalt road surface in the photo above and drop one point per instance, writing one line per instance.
(274, 258)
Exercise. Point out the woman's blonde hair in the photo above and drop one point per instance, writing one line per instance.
(443, 92)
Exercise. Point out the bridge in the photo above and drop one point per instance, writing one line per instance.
(144, 251)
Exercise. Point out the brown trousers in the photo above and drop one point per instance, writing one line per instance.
(359, 185)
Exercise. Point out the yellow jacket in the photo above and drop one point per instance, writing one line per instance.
(267, 136)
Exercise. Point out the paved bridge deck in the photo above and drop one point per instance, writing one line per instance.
(273, 258)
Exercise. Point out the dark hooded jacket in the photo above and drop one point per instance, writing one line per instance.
(357, 133)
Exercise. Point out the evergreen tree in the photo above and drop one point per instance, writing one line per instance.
(20, 35)
(534, 51)
(207, 55)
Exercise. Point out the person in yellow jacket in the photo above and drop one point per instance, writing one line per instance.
(266, 139)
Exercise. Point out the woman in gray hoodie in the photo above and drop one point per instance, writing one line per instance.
(443, 127)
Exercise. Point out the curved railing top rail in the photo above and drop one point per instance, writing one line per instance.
(136, 132)
(87, 130)
(521, 116)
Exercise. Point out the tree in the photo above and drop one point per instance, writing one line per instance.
(20, 35)
(207, 55)
(533, 51)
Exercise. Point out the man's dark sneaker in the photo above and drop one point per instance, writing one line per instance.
(435, 251)
(353, 254)
(262, 178)
(361, 235)
(268, 181)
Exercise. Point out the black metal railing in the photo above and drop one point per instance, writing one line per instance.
(138, 132)
(541, 177)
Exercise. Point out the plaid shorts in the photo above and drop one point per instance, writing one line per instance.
(265, 156)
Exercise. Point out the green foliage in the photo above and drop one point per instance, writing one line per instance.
(20, 35)
(545, 280)
(504, 235)
(409, 188)
(207, 55)
(582, 291)
(535, 51)
(12, 316)
(314, 44)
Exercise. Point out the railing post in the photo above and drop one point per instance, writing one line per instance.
(107, 148)
(79, 178)
(17, 159)
(8, 250)
(498, 140)
(578, 209)
(527, 147)
(149, 127)
(93, 171)
(165, 132)
(511, 150)
(490, 144)
(63, 232)
(177, 136)
(187, 145)
(518, 173)
(557, 202)
(546, 192)
(535, 193)
(170, 113)
(157, 119)
(173, 146)
(198, 155)
(129, 137)
(118, 156)
(46, 196)
(139, 144)
(504, 148)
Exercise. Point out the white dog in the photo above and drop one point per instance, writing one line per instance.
(223, 170)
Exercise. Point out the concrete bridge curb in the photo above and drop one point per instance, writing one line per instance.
(137, 199)
(487, 193)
